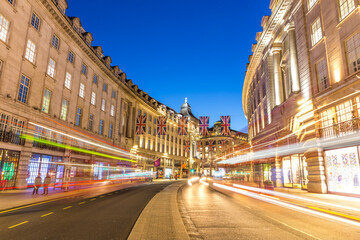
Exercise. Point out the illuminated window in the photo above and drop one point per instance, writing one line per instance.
(35, 21)
(358, 105)
(344, 111)
(103, 105)
(64, 109)
(68, 80)
(112, 111)
(55, 42)
(46, 101)
(110, 130)
(312, 3)
(82, 90)
(322, 75)
(4, 28)
(71, 57)
(51, 68)
(101, 127)
(30, 51)
(346, 6)
(316, 32)
(84, 69)
(353, 53)
(91, 122)
(78, 117)
(23, 89)
(93, 98)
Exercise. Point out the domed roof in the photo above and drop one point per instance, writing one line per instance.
(186, 109)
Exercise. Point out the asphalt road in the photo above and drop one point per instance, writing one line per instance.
(215, 215)
(107, 216)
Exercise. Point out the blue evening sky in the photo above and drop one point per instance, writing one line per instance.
(174, 49)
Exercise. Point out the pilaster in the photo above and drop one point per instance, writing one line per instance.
(316, 170)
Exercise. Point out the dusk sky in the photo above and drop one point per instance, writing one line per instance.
(174, 49)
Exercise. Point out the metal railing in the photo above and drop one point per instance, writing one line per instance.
(339, 129)
(11, 137)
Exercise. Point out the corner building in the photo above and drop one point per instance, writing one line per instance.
(301, 87)
(56, 87)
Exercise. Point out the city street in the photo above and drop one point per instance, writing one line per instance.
(107, 216)
(215, 215)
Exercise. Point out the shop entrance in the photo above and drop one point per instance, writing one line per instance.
(8, 168)
(295, 172)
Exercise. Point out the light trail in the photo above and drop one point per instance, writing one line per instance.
(294, 197)
(202, 181)
(289, 206)
(191, 180)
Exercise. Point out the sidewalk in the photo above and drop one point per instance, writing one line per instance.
(17, 198)
(161, 218)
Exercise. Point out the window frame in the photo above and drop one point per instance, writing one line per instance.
(68, 81)
(78, 116)
(39, 23)
(84, 69)
(57, 47)
(91, 122)
(341, 17)
(103, 105)
(51, 71)
(313, 34)
(101, 127)
(82, 90)
(12, 3)
(73, 57)
(61, 109)
(93, 98)
(350, 65)
(29, 52)
(19, 98)
(46, 102)
(319, 82)
(112, 110)
(5, 29)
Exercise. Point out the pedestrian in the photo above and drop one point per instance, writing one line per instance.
(37, 184)
(47, 182)
(176, 176)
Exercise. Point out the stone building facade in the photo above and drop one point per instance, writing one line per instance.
(301, 91)
(62, 101)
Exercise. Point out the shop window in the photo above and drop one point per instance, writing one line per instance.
(8, 167)
(343, 170)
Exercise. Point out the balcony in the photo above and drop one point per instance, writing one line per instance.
(339, 129)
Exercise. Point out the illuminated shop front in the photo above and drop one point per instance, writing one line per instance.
(43, 165)
(8, 167)
(342, 170)
(295, 173)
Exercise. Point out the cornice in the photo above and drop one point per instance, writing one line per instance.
(271, 27)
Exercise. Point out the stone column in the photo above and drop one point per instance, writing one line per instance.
(294, 68)
(278, 172)
(316, 170)
(278, 84)
(164, 167)
(23, 167)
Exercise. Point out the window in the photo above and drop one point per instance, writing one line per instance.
(113, 94)
(4, 28)
(312, 3)
(78, 117)
(149, 144)
(110, 130)
(35, 21)
(322, 75)
(51, 68)
(316, 32)
(346, 7)
(68, 80)
(82, 90)
(30, 51)
(23, 89)
(101, 127)
(84, 69)
(103, 105)
(353, 53)
(95, 79)
(12, 2)
(71, 57)
(93, 98)
(112, 111)
(46, 101)
(105, 86)
(91, 122)
(64, 109)
(55, 42)
(149, 130)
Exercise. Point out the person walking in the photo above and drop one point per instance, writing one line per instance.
(47, 182)
(37, 185)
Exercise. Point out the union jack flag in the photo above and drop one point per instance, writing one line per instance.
(182, 126)
(187, 146)
(225, 125)
(141, 124)
(161, 126)
(211, 145)
(198, 144)
(204, 126)
(223, 144)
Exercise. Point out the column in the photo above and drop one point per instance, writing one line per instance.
(294, 68)
(24, 161)
(278, 85)
(278, 172)
(316, 170)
